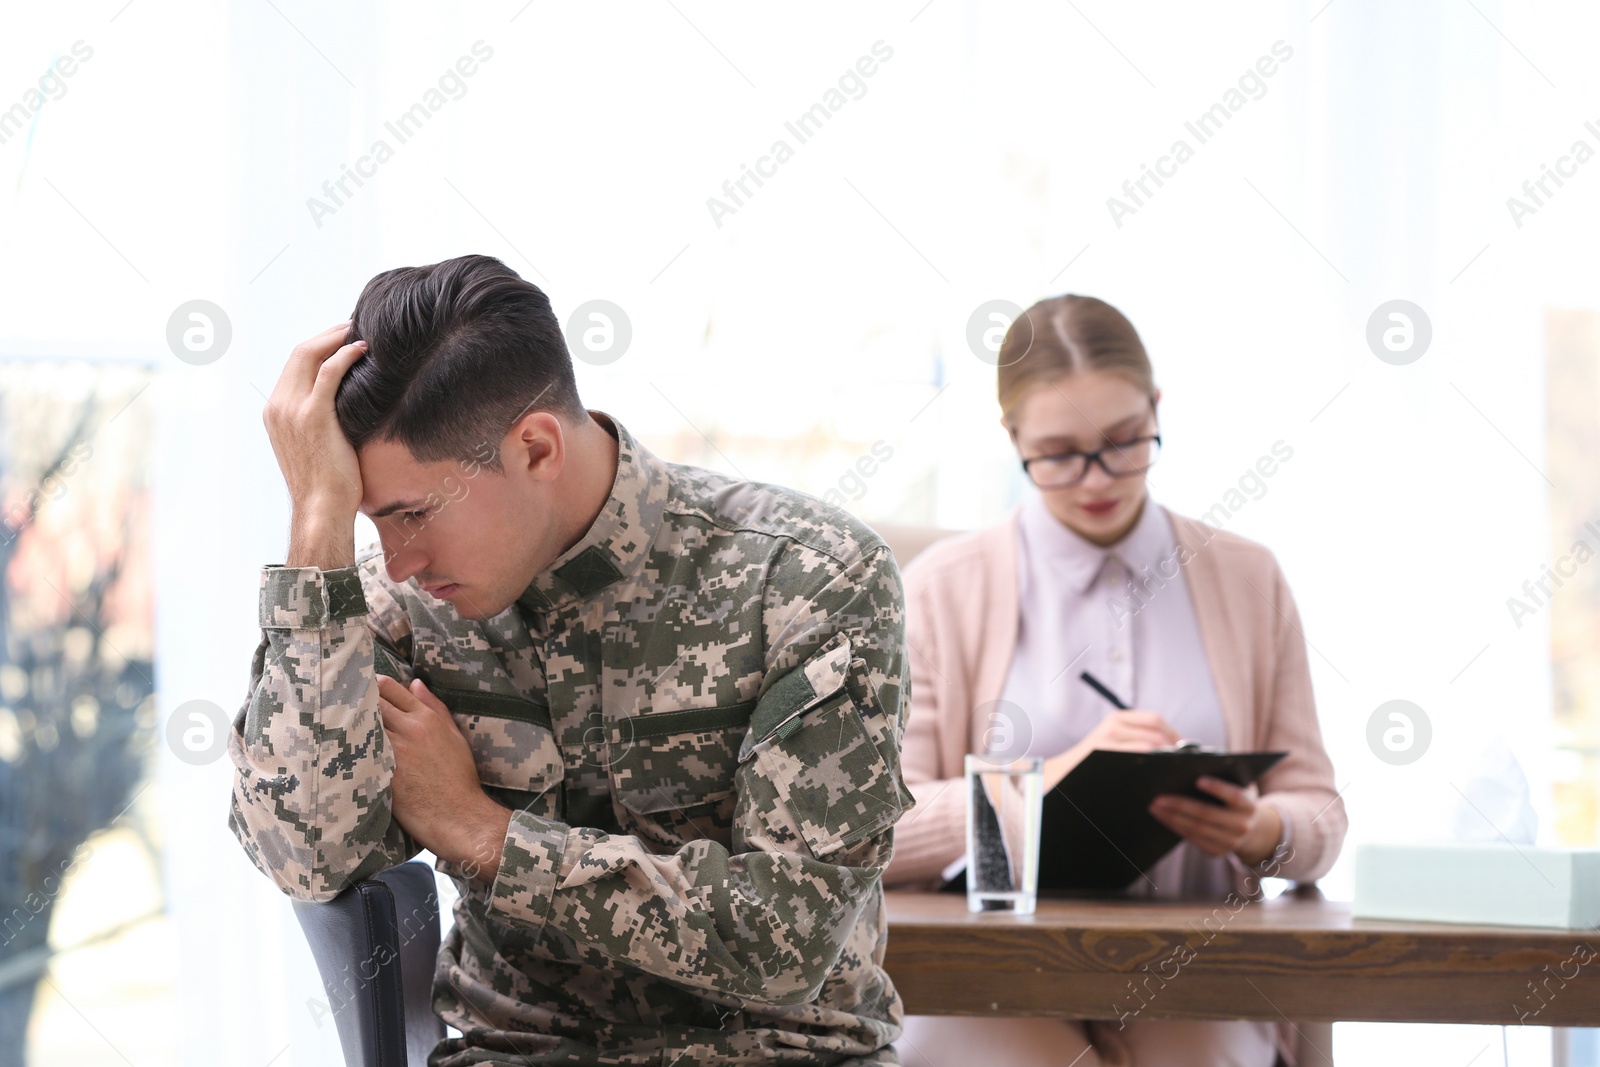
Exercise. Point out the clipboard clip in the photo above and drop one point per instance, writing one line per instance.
(1185, 745)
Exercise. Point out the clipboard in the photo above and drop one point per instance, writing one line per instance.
(1096, 831)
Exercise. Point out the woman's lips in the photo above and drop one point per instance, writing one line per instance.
(1100, 507)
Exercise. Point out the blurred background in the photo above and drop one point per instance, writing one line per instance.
(1380, 255)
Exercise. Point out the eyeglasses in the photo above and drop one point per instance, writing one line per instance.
(1120, 460)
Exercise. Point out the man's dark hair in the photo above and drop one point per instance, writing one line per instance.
(456, 352)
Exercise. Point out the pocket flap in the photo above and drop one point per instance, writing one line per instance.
(801, 689)
(511, 739)
(494, 705)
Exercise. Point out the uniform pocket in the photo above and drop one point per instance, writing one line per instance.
(672, 773)
(511, 741)
(808, 739)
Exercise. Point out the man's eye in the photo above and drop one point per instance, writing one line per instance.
(414, 514)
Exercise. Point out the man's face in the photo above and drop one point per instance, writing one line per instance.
(464, 533)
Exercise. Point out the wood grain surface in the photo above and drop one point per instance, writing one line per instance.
(1297, 958)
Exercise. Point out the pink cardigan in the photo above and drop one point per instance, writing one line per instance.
(961, 630)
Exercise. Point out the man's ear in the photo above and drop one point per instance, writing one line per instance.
(536, 444)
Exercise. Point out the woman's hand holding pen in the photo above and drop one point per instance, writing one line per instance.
(1239, 824)
(1131, 730)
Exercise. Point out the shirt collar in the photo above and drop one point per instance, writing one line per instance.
(619, 539)
(1080, 561)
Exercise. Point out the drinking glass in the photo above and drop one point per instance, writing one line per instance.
(1004, 798)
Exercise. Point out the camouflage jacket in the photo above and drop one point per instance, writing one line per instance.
(695, 715)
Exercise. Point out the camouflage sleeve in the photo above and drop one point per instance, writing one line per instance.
(311, 764)
(818, 789)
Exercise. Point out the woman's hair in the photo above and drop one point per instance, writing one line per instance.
(1068, 334)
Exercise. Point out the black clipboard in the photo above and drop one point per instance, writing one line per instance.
(1097, 832)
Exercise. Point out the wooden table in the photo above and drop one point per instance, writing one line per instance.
(1297, 958)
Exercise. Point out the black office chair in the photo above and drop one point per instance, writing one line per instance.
(376, 945)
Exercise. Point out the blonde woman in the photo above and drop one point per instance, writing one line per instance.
(1193, 628)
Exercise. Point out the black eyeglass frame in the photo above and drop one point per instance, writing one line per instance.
(1095, 457)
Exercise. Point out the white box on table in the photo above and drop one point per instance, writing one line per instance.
(1495, 883)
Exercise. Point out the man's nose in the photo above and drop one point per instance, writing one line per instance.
(402, 563)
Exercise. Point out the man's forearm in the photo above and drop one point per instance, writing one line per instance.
(468, 832)
(319, 539)
(475, 840)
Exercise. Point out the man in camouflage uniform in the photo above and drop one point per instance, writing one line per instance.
(688, 723)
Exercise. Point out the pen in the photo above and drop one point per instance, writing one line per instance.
(1094, 683)
(1098, 686)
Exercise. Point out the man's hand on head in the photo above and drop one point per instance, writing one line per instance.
(319, 466)
(435, 792)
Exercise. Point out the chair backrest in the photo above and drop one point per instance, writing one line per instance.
(906, 542)
(376, 946)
